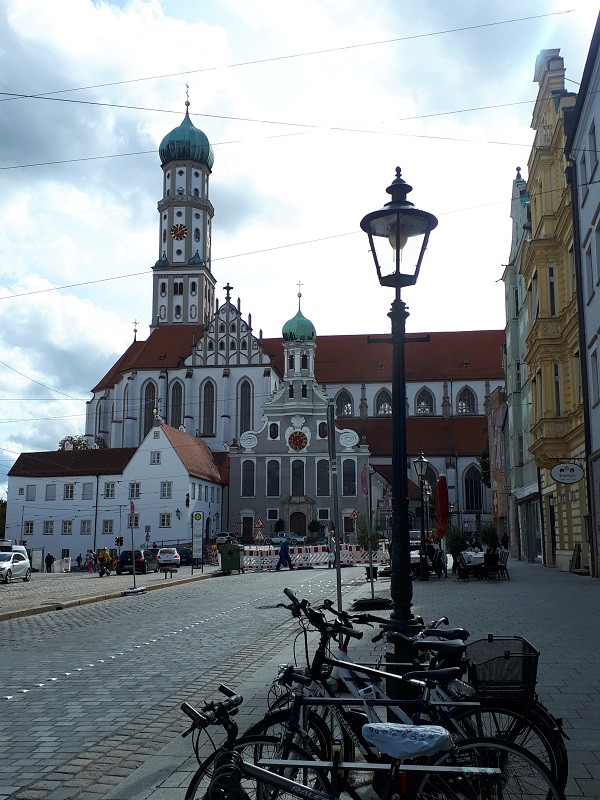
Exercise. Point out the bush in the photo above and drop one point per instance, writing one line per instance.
(488, 535)
(363, 535)
(456, 540)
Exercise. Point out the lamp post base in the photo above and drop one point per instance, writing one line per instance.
(400, 658)
(423, 567)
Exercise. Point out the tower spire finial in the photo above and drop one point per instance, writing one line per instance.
(299, 294)
(187, 94)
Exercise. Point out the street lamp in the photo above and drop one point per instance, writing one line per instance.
(401, 224)
(421, 465)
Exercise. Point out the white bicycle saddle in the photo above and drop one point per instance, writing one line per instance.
(407, 741)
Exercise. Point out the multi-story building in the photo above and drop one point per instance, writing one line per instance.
(552, 345)
(582, 152)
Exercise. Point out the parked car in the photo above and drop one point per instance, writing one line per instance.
(145, 562)
(292, 538)
(225, 538)
(14, 565)
(186, 557)
(168, 557)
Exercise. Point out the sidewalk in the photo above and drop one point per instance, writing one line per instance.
(546, 607)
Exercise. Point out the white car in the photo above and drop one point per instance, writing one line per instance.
(168, 557)
(14, 565)
(292, 538)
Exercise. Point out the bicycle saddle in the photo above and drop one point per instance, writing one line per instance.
(407, 741)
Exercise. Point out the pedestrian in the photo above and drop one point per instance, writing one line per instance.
(79, 559)
(89, 560)
(284, 556)
(504, 540)
(94, 561)
(49, 561)
(331, 550)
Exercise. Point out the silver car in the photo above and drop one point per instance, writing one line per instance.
(14, 565)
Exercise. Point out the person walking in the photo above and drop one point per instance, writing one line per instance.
(49, 561)
(504, 540)
(331, 550)
(79, 559)
(284, 556)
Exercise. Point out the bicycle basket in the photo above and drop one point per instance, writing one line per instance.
(503, 666)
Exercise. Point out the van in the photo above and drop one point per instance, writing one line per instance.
(6, 546)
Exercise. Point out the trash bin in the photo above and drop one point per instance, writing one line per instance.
(232, 557)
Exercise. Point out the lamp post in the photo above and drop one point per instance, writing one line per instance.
(421, 465)
(401, 224)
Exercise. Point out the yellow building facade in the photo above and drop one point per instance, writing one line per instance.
(552, 348)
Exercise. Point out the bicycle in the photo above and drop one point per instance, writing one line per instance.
(421, 763)
(320, 725)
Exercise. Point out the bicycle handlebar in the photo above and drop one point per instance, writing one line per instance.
(214, 711)
(317, 619)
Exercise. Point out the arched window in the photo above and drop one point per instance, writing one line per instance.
(193, 287)
(273, 431)
(424, 403)
(304, 390)
(466, 402)
(349, 478)
(291, 361)
(322, 430)
(383, 404)
(304, 361)
(148, 406)
(125, 400)
(245, 416)
(297, 478)
(323, 489)
(473, 501)
(163, 289)
(177, 312)
(272, 478)
(291, 391)
(162, 312)
(244, 344)
(176, 409)
(247, 478)
(343, 404)
(208, 409)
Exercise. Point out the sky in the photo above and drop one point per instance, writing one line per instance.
(310, 106)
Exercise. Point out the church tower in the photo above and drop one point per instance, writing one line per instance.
(183, 284)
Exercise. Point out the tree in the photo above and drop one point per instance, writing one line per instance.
(279, 525)
(80, 443)
(314, 526)
(363, 535)
(484, 464)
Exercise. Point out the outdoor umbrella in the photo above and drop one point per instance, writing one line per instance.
(441, 506)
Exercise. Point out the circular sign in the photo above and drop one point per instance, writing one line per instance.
(147, 537)
(197, 516)
(567, 473)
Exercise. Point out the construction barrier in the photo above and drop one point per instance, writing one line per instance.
(265, 557)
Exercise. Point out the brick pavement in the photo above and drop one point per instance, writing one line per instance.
(558, 612)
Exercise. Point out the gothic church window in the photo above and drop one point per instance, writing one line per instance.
(424, 403)
(383, 404)
(466, 402)
(343, 404)
(473, 490)
(245, 407)
(176, 410)
(148, 405)
(208, 409)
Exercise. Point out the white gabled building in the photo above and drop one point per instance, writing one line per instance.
(68, 501)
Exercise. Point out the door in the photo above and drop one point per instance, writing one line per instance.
(247, 529)
(298, 523)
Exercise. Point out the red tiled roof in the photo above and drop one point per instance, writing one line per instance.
(195, 455)
(451, 355)
(436, 436)
(163, 349)
(58, 463)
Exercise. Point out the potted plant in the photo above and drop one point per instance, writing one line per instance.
(488, 535)
(456, 542)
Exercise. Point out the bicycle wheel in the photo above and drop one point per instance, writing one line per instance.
(523, 776)
(312, 733)
(254, 748)
(519, 726)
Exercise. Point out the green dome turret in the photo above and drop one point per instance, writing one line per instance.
(186, 143)
(299, 329)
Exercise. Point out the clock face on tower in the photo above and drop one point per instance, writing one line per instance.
(297, 440)
(179, 232)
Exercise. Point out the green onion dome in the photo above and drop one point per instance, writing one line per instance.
(186, 143)
(299, 329)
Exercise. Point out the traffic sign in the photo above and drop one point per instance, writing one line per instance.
(147, 537)
(259, 523)
(259, 537)
(354, 514)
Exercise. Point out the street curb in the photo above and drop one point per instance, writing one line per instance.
(82, 601)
